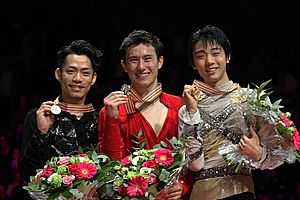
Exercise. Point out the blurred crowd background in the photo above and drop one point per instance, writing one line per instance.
(264, 35)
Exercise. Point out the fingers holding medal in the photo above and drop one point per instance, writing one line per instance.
(197, 94)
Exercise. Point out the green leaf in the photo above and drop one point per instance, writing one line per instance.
(54, 196)
(163, 144)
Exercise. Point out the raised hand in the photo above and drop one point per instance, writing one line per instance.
(112, 102)
(190, 101)
(44, 116)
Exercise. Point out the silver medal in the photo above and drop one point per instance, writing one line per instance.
(55, 109)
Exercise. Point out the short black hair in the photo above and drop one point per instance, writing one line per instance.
(80, 47)
(209, 35)
(137, 37)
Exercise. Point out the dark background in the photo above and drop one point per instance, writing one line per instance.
(264, 35)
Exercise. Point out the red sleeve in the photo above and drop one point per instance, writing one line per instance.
(110, 138)
(187, 181)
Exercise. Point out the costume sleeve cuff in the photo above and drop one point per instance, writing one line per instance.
(257, 164)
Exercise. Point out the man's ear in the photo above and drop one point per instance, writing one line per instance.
(160, 62)
(58, 74)
(228, 59)
(94, 78)
(123, 65)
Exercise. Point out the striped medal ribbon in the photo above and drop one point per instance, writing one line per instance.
(202, 88)
(136, 102)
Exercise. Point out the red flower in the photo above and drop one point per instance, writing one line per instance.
(47, 171)
(122, 190)
(137, 187)
(296, 139)
(150, 164)
(125, 161)
(164, 156)
(83, 170)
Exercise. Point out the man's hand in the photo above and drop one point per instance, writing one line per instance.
(250, 146)
(190, 101)
(172, 192)
(44, 116)
(112, 102)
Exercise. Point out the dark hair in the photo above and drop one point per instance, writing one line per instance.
(80, 47)
(209, 35)
(137, 37)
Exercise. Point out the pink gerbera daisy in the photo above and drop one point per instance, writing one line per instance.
(83, 170)
(137, 187)
(164, 156)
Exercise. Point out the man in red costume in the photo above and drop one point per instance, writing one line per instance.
(146, 108)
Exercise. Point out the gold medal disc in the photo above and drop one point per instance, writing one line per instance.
(199, 95)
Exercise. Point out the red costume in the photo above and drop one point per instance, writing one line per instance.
(116, 135)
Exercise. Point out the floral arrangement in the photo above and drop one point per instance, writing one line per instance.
(275, 128)
(282, 120)
(69, 177)
(144, 173)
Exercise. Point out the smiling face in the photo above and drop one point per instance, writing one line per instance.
(210, 62)
(142, 66)
(76, 77)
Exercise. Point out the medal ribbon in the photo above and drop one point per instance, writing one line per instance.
(136, 102)
(74, 108)
(199, 85)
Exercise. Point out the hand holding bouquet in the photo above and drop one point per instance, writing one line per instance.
(275, 129)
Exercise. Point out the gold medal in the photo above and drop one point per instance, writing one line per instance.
(55, 109)
(126, 89)
(198, 95)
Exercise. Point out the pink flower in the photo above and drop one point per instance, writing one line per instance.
(150, 164)
(137, 187)
(296, 139)
(285, 121)
(64, 160)
(164, 156)
(125, 161)
(83, 170)
(67, 180)
(47, 171)
(152, 179)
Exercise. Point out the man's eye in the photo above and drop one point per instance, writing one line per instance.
(70, 71)
(132, 60)
(148, 59)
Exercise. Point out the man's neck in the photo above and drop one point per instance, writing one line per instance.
(72, 101)
(145, 91)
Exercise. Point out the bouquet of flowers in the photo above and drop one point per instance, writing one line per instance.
(69, 177)
(275, 129)
(144, 173)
